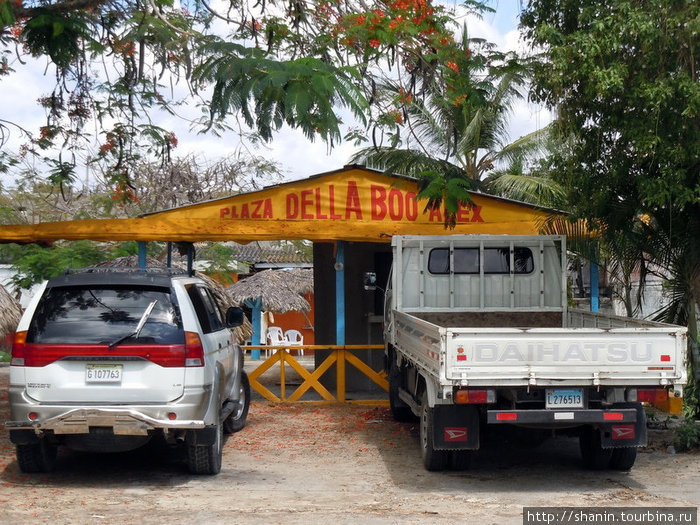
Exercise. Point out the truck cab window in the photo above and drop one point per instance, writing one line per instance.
(466, 261)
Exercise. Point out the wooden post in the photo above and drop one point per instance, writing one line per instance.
(595, 300)
(340, 293)
(256, 306)
(142, 254)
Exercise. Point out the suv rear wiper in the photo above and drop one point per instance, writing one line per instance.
(139, 327)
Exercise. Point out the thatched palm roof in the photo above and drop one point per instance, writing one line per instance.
(242, 332)
(10, 312)
(280, 290)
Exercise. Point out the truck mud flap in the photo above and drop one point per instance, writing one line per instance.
(455, 427)
(616, 435)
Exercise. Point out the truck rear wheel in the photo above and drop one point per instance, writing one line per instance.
(433, 459)
(595, 457)
(400, 410)
(623, 458)
(461, 459)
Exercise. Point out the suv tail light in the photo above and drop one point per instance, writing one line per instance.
(194, 351)
(167, 356)
(19, 345)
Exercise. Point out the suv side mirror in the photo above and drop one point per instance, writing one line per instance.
(234, 316)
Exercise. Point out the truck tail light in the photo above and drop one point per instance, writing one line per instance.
(651, 395)
(19, 345)
(194, 351)
(465, 396)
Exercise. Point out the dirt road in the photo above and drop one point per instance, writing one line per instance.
(331, 464)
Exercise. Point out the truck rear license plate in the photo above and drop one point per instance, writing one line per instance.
(111, 373)
(560, 398)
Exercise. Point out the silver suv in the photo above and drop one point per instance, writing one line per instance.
(104, 360)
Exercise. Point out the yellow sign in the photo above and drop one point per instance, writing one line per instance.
(353, 204)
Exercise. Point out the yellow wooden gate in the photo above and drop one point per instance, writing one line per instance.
(340, 355)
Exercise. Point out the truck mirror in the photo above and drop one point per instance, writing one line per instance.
(369, 280)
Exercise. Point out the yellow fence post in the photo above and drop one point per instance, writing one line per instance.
(283, 354)
(340, 369)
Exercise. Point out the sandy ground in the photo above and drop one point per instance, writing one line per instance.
(332, 464)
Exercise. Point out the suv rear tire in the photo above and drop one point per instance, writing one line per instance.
(37, 457)
(206, 459)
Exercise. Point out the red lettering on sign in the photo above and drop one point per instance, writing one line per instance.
(331, 202)
(257, 210)
(378, 196)
(223, 212)
(411, 206)
(395, 205)
(267, 212)
(435, 215)
(476, 214)
(319, 215)
(306, 202)
(352, 203)
(245, 213)
(463, 214)
(292, 207)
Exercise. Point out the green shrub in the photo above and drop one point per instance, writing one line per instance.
(687, 435)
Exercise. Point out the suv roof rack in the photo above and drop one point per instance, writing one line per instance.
(157, 270)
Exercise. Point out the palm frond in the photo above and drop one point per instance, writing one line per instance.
(269, 93)
(540, 190)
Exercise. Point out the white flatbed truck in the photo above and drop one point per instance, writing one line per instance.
(478, 332)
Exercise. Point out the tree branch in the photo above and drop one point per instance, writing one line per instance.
(68, 6)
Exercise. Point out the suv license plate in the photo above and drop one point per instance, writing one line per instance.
(560, 398)
(103, 373)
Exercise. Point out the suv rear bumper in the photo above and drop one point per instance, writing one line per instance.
(132, 419)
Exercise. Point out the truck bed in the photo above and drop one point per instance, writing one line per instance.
(493, 319)
(533, 348)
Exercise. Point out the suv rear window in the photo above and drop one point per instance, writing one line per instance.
(101, 315)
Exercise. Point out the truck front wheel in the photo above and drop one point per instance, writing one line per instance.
(432, 459)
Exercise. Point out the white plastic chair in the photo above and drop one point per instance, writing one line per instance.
(295, 338)
(275, 337)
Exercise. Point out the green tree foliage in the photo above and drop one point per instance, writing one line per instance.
(269, 64)
(453, 131)
(156, 187)
(623, 78)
